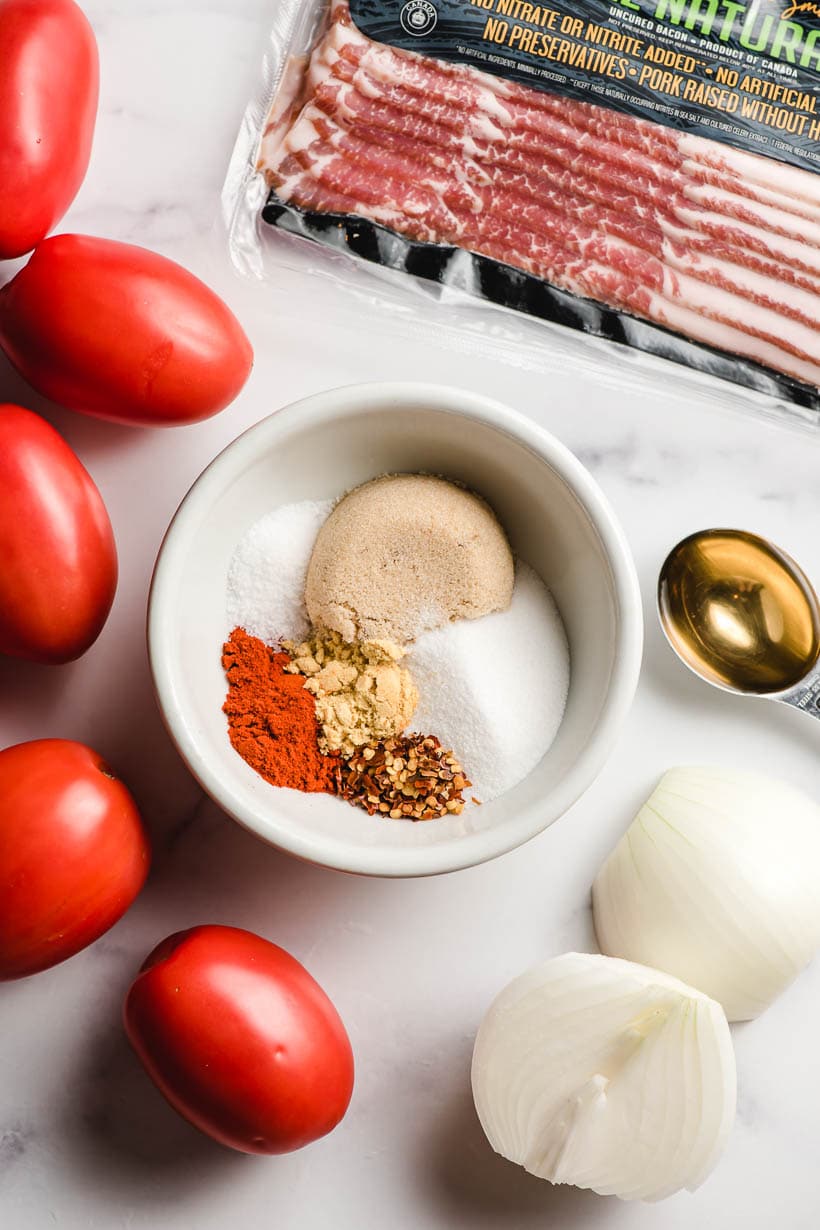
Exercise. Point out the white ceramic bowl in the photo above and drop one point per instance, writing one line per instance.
(557, 520)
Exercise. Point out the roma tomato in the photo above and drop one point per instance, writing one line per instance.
(240, 1040)
(119, 332)
(49, 83)
(58, 561)
(73, 853)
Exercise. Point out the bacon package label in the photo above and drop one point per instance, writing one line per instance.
(747, 74)
(645, 171)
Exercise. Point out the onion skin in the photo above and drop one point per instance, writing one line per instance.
(606, 1075)
(716, 881)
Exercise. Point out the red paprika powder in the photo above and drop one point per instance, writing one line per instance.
(272, 719)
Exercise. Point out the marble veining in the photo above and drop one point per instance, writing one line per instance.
(85, 1139)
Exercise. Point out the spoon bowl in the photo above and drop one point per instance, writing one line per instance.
(739, 612)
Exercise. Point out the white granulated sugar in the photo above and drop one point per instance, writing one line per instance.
(266, 575)
(494, 689)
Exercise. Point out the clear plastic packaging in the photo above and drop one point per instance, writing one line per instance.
(450, 294)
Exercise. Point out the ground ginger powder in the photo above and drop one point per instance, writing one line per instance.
(362, 694)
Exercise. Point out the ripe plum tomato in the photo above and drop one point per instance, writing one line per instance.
(73, 853)
(240, 1039)
(58, 560)
(49, 85)
(116, 331)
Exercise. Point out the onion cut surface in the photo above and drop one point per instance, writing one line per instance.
(603, 1074)
(717, 881)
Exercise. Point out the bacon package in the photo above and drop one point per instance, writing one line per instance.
(646, 172)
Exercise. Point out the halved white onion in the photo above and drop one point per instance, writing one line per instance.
(607, 1075)
(717, 880)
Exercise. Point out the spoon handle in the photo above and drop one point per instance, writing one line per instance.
(806, 694)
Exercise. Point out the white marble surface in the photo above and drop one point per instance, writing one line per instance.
(85, 1141)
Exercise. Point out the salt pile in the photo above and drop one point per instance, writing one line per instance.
(494, 689)
(266, 575)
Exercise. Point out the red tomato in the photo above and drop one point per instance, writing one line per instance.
(73, 853)
(240, 1040)
(122, 333)
(49, 83)
(58, 560)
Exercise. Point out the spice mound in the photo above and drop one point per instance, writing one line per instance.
(273, 725)
(272, 720)
(361, 693)
(406, 553)
(411, 778)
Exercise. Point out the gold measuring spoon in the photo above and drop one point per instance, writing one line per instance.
(742, 615)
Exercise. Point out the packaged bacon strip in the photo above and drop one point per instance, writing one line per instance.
(646, 172)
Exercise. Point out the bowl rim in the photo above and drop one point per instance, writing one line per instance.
(307, 413)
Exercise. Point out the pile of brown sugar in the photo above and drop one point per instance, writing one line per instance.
(404, 554)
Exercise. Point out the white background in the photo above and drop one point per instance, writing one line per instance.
(85, 1141)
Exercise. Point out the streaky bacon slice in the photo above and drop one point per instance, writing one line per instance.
(467, 215)
(583, 175)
